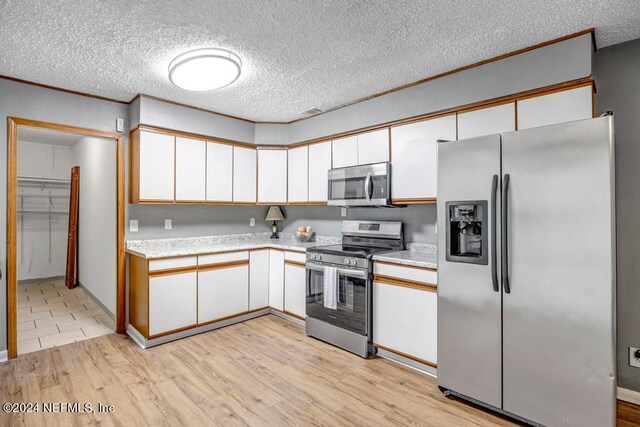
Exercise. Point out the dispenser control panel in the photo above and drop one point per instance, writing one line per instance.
(467, 232)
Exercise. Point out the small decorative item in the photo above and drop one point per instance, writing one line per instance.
(274, 214)
(304, 234)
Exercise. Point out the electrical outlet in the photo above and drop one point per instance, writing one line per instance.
(119, 124)
(344, 212)
(167, 224)
(252, 222)
(634, 357)
(133, 225)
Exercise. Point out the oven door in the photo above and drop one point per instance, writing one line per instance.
(367, 185)
(353, 298)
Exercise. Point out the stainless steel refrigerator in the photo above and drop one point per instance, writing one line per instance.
(526, 272)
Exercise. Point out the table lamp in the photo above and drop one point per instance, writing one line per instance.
(274, 214)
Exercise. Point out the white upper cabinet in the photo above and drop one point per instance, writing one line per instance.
(487, 121)
(298, 165)
(373, 147)
(345, 151)
(319, 165)
(190, 169)
(244, 175)
(558, 107)
(156, 162)
(219, 172)
(272, 176)
(414, 158)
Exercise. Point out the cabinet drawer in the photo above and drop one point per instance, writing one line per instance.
(226, 257)
(406, 273)
(172, 302)
(172, 263)
(295, 256)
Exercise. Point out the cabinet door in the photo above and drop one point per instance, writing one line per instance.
(276, 279)
(190, 169)
(295, 297)
(559, 107)
(244, 175)
(373, 147)
(414, 158)
(222, 292)
(272, 176)
(487, 121)
(157, 156)
(298, 165)
(319, 166)
(345, 151)
(258, 279)
(405, 320)
(219, 172)
(172, 302)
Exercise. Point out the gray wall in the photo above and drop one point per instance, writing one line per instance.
(171, 116)
(32, 102)
(194, 220)
(618, 84)
(560, 62)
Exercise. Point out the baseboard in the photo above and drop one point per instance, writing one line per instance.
(26, 282)
(99, 303)
(4, 356)
(630, 396)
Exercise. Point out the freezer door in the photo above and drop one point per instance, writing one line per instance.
(469, 302)
(558, 319)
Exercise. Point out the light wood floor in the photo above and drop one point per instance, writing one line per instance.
(261, 372)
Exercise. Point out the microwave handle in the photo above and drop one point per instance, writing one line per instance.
(367, 187)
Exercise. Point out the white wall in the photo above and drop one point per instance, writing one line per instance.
(97, 222)
(42, 238)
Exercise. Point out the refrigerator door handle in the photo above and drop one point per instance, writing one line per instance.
(494, 232)
(505, 235)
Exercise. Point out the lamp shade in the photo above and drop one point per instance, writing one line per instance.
(274, 214)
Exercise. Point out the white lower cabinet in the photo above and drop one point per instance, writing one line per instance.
(405, 320)
(258, 279)
(172, 302)
(276, 279)
(222, 292)
(295, 295)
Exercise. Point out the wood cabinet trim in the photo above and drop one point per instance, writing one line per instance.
(288, 313)
(220, 319)
(191, 135)
(173, 271)
(173, 331)
(408, 356)
(395, 264)
(412, 284)
(294, 263)
(222, 265)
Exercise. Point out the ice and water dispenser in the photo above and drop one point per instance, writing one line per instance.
(467, 232)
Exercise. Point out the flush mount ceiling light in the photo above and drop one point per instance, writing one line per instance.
(205, 69)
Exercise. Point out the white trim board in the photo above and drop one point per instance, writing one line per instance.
(4, 356)
(630, 396)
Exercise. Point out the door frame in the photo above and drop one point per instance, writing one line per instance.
(12, 202)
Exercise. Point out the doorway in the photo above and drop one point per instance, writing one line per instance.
(41, 311)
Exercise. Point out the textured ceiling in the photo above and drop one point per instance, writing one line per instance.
(297, 54)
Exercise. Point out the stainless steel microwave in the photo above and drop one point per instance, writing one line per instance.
(365, 185)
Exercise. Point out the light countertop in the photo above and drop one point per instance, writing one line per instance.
(162, 248)
(416, 255)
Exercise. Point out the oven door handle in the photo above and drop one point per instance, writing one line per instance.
(359, 274)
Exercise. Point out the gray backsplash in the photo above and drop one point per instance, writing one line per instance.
(195, 220)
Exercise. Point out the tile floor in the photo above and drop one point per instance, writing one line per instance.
(51, 315)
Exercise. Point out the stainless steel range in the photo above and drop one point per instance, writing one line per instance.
(342, 316)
